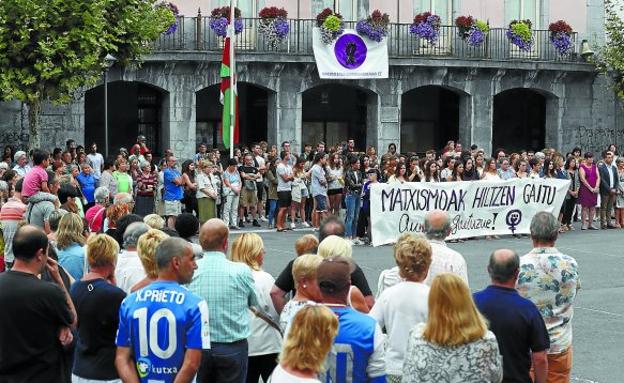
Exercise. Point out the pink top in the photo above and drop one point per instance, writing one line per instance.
(33, 180)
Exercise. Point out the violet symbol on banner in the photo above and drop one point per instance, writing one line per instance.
(350, 51)
(514, 218)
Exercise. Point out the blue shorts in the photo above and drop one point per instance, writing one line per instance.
(321, 203)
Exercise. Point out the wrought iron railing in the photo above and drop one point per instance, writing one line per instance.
(194, 34)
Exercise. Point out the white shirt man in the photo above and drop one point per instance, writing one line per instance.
(443, 259)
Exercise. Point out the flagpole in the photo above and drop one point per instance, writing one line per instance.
(232, 33)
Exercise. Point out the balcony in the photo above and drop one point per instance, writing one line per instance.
(194, 35)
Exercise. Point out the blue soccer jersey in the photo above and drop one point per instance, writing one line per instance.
(357, 355)
(159, 323)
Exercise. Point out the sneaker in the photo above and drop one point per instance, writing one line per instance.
(255, 223)
(305, 224)
(241, 223)
(357, 242)
(592, 227)
(293, 226)
(264, 219)
(271, 227)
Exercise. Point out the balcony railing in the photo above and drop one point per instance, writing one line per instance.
(194, 34)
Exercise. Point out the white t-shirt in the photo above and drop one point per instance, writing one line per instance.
(283, 170)
(129, 270)
(260, 161)
(398, 309)
(282, 376)
(263, 338)
(289, 311)
(96, 163)
(445, 260)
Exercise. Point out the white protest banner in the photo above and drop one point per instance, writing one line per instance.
(476, 208)
(350, 57)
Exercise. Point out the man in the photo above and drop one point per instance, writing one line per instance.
(163, 327)
(36, 315)
(285, 283)
(22, 167)
(129, 269)
(202, 153)
(229, 289)
(307, 150)
(67, 196)
(550, 279)
(357, 354)
(173, 191)
(517, 323)
(71, 146)
(249, 194)
(141, 141)
(42, 204)
(609, 184)
(290, 158)
(96, 160)
(506, 172)
(11, 215)
(350, 147)
(260, 163)
(443, 259)
(284, 189)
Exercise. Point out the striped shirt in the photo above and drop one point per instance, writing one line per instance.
(146, 184)
(11, 214)
(229, 289)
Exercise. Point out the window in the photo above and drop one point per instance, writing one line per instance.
(523, 10)
(347, 8)
(442, 8)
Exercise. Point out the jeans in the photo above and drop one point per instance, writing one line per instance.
(353, 208)
(272, 208)
(224, 363)
(568, 209)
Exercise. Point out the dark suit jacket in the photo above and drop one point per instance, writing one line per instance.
(603, 170)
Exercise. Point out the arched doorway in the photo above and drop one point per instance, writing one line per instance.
(253, 115)
(430, 116)
(334, 113)
(519, 121)
(134, 109)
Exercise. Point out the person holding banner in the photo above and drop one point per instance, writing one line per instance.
(364, 222)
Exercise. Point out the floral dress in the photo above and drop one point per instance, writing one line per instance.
(425, 362)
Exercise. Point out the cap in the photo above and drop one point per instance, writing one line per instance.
(334, 274)
(19, 155)
(141, 138)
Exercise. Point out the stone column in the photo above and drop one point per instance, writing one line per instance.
(288, 117)
(179, 128)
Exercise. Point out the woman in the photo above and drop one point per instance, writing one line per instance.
(146, 250)
(588, 191)
(392, 149)
(190, 187)
(121, 176)
(87, 183)
(371, 154)
(272, 198)
(490, 173)
(307, 345)
(306, 288)
(403, 305)
(70, 244)
(353, 183)
(206, 193)
(573, 190)
(113, 214)
(454, 344)
(521, 168)
(264, 340)
(449, 165)
(619, 201)
(336, 183)
(458, 172)
(299, 193)
(414, 174)
(431, 172)
(147, 182)
(480, 163)
(97, 301)
(363, 226)
(536, 168)
(470, 172)
(549, 169)
(107, 180)
(400, 174)
(8, 154)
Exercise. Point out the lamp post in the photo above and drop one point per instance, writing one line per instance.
(110, 61)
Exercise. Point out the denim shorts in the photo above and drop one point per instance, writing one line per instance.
(321, 203)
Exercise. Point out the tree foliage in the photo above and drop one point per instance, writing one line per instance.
(49, 49)
(610, 60)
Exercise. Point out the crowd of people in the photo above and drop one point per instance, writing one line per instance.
(125, 270)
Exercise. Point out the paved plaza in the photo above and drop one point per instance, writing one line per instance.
(599, 310)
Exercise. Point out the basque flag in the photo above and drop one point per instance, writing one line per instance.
(226, 99)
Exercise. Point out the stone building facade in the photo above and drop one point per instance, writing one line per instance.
(492, 98)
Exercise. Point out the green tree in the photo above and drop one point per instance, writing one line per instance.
(49, 49)
(610, 60)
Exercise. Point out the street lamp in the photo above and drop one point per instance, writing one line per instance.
(110, 61)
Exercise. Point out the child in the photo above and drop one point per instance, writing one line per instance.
(36, 179)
